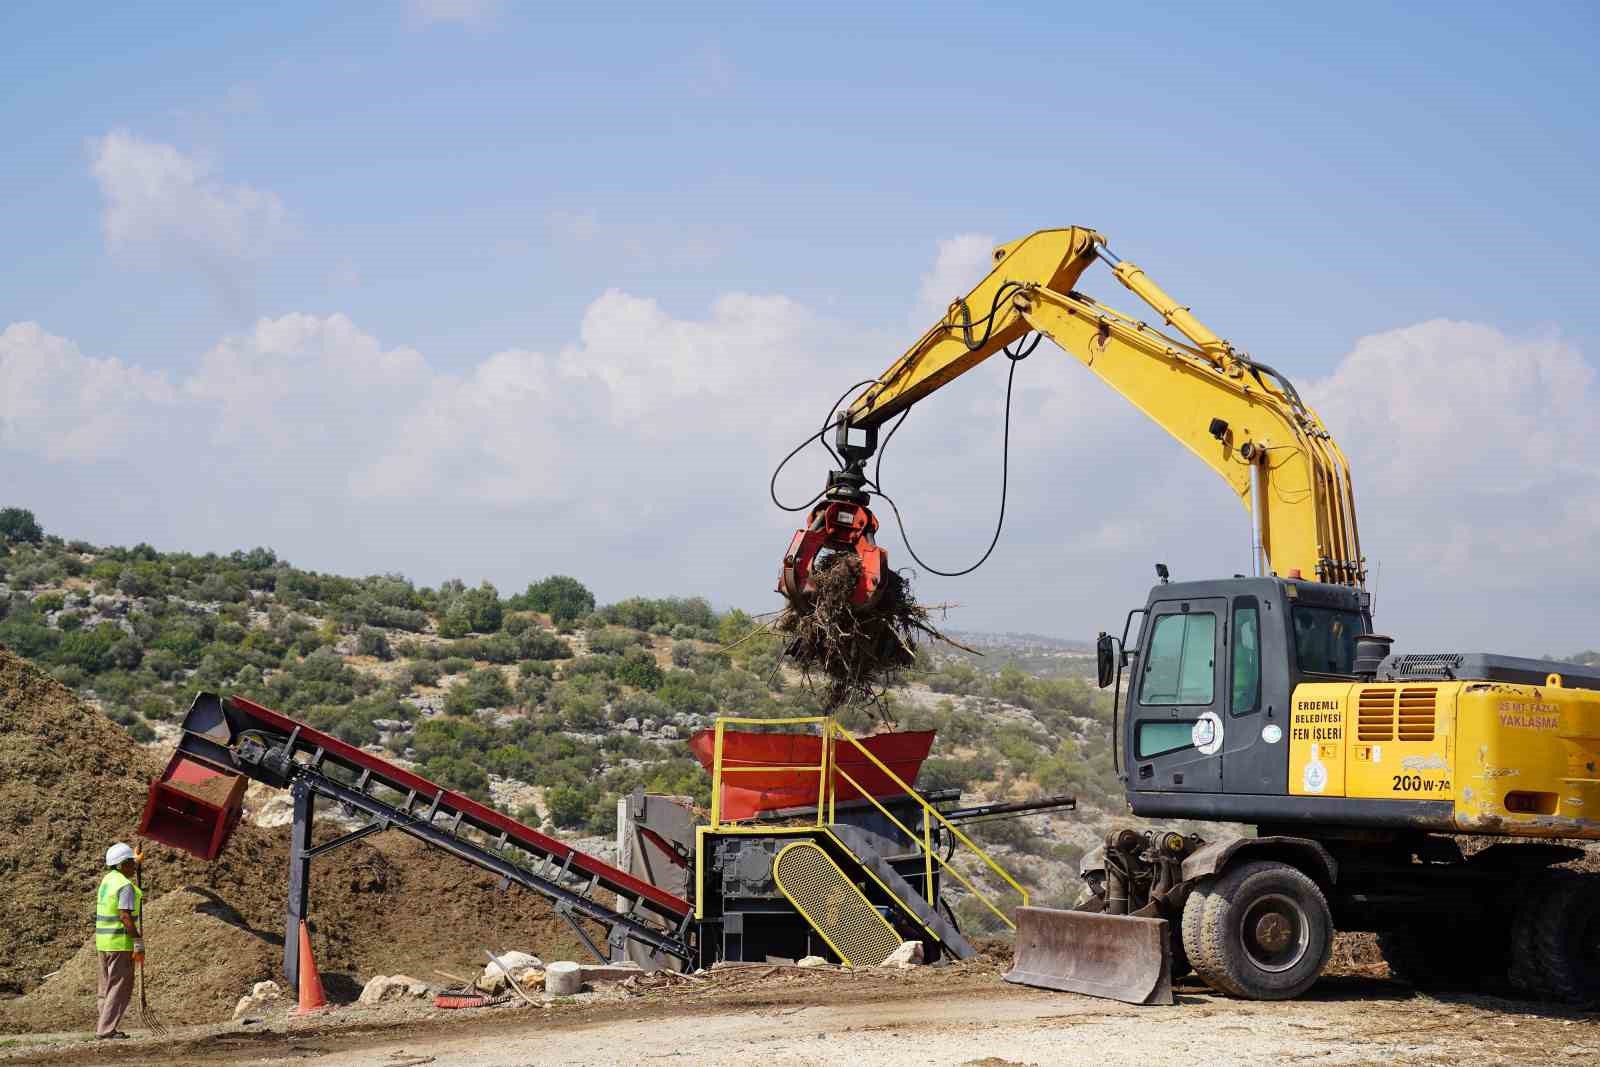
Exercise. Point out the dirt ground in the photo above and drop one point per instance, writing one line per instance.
(959, 1015)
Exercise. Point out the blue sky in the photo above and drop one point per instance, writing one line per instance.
(463, 178)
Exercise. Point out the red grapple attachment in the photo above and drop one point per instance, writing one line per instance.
(838, 526)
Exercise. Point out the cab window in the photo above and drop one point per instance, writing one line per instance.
(1180, 665)
(1246, 695)
(1325, 639)
(1159, 738)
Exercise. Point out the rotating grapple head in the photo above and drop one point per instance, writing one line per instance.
(841, 523)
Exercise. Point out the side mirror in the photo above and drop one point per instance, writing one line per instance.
(1105, 654)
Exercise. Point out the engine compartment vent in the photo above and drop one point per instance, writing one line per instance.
(1397, 713)
(1417, 709)
(1375, 714)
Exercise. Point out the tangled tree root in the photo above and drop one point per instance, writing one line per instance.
(856, 652)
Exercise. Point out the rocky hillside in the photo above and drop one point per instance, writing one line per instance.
(542, 701)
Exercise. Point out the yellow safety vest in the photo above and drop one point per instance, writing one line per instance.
(109, 933)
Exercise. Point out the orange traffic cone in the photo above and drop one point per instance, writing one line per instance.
(311, 996)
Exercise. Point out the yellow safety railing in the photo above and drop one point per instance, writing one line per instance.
(718, 770)
(829, 772)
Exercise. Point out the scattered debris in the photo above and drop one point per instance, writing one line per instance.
(908, 955)
(262, 995)
(608, 972)
(813, 961)
(392, 987)
(511, 981)
(507, 967)
(465, 998)
(515, 961)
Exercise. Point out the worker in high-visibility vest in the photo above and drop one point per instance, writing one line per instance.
(118, 937)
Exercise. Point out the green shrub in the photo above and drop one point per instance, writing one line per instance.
(162, 662)
(103, 648)
(639, 706)
(459, 774)
(370, 642)
(569, 806)
(69, 675)
(483, 688)
(563, 598)
(583, 711)
(18, 525)
(541, 644)
(616, 640)
(424, 672)
(532, 689)
(473, 611)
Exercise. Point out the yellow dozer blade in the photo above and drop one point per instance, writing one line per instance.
(1114, 956)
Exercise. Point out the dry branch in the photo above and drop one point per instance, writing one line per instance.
(856, 652)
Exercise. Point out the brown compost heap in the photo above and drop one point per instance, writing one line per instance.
(72, 782)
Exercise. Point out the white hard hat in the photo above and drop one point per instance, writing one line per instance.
(117, 853)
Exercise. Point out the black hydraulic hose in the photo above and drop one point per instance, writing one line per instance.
(772, 486)
(1015, 357)
(829, 423)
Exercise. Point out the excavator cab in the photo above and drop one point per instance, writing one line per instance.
(1201, 729)
(1203, 717)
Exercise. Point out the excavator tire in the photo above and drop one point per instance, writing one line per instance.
(1191, 922)
(1444, 960)
(1264, 932)
(1181, 966)
(1555, 938)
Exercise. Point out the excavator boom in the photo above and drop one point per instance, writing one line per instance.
(1242, 418)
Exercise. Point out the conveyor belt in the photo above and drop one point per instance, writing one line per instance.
(241, 737)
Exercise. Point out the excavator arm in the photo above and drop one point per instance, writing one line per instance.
(1242, 418)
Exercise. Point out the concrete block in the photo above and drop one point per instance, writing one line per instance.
(563, 978)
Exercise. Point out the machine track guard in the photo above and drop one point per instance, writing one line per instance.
(1118, 957)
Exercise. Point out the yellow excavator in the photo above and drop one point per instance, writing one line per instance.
(1440, 800)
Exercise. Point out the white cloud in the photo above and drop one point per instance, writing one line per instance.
(58, 404)
(473, 13)
(958, 265)
(1476, 455)
(638, 454)
(157, 200)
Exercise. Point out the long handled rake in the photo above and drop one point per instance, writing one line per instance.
(146, 1016)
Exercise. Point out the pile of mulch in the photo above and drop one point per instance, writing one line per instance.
(72, 782)
(1357, 954)
(207, 958)
(853, 654)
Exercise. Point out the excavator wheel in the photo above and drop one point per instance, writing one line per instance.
(1181, 967)
(1444, 958)
(1261, 931)
(1555, 938)
(1190, 923)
